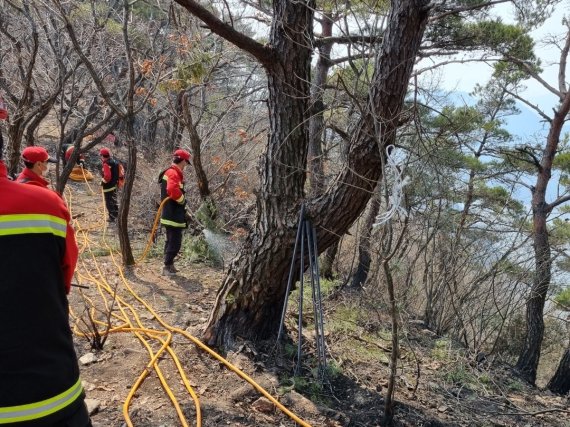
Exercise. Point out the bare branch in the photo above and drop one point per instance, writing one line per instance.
(535, 107)
(562, 68)
(527, 68)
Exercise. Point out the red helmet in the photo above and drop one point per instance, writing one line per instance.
(35, 154)
(104, 152)
(182, 154)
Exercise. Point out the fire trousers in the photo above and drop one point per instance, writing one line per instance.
(173, 244)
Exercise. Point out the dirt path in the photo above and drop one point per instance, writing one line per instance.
(180, 303)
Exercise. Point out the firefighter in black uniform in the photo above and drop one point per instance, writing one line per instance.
(39, 373)
(173, 217)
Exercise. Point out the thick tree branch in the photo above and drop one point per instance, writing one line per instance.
(535, 160)
(557, 202)
(263, 54)
(527, 68)
(466, 9)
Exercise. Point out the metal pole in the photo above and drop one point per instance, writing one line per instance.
(291, 269)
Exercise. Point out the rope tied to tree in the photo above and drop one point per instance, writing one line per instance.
(397, 194)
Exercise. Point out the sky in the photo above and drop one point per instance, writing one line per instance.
(462, 78)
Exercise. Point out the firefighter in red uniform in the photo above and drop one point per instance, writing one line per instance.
(36, 161)
(67, 155)
(110, 182)
(39, 373)
(174, 212)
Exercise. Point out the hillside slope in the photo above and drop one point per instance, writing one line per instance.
(158, 319)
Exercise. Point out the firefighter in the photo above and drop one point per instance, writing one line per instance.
(174, 212)
(36, 160)
(110, 182)
(39, 373)
(67, 155)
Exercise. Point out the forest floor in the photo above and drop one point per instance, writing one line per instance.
(437, 383)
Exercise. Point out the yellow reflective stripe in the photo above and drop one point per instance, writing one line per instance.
(32, 224)
(180, 199)
(172, 223)
(33, 411)
(106, 190)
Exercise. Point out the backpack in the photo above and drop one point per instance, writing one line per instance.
(121, 179)
(117, 172)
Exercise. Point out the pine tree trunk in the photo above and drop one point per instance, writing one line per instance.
(364, 259)
(251, 297)
(316, 122)
(527, 363)
(560, 382)
(529, 357)
(327, 261)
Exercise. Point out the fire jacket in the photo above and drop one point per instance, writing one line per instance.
(28, 176)
(172, 185)
(39, 374)
(69, 151)
(110, 174)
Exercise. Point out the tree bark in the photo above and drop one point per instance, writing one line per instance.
(327, 261)
(125, 197)
(529, 357)
(249, 302)
(560, 382)
(364, 258)
(316, 121)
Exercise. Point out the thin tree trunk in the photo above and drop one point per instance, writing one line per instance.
(389, 402)
(327, 261)
(316, 122)
(529, 357)
(125, 202)
(196, 144)
(364, 257)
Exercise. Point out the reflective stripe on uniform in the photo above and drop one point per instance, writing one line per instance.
(172, 223)
(106, 190)
(33, 411)
(32, 224)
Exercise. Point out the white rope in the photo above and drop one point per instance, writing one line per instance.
(397, 194)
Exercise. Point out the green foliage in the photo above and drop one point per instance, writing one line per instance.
(441, 349)
(563, 299)
(356, 76)
(459, 375)
(559, 232)
(197, 249)
(206, 215)
(345, 320)
(515, 385)
(148, 10)
(193, 70)
(501, 38)
(497, 198)
(454, 32)
(310, 387)
(101, 252)
(533, 13)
